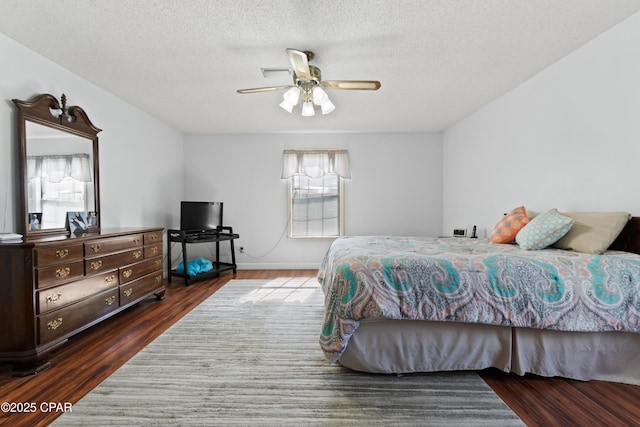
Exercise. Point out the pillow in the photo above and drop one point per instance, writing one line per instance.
(544, 230)
(593, 232)
(505, 231)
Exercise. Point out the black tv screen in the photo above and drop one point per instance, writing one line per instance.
(200, 216)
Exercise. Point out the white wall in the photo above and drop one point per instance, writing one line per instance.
(140, 157)
(568, 138)
(396, 188)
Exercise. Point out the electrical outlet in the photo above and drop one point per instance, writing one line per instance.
(241, 249)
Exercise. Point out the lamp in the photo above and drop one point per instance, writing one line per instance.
(307, 109)
(327, 107)
(321, 98)
(310, 94)
(290, 99)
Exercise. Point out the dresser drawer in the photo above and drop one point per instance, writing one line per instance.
(112, 244)
(58, 274)
(59, 296)
(139, 288)
(58, 323)
(133, 271)
(110, 262)
(151, 251)
(58, 254)
(153, 237)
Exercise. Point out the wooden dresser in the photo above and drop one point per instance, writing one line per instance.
(54, 287)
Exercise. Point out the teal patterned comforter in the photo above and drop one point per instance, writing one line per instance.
(469, 280)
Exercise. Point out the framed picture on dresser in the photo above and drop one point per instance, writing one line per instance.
(35, 220)
(92, 220)
(77, 223)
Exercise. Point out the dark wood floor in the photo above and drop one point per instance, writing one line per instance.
(93, 355)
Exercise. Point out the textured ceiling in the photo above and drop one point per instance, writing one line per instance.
(182, 61)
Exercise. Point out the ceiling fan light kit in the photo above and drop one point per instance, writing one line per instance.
(308, 87)
(313, 95)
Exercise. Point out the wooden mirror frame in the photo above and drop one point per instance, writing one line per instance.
(72, 120)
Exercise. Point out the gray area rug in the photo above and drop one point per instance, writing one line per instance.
(249, 355)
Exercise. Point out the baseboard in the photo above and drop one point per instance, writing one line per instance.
(277, 266)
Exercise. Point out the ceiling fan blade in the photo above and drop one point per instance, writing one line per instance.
(352, 84)
(299, 63)
(262, 89)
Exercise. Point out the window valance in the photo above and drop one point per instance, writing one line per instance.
(55, 168)
(315, 163)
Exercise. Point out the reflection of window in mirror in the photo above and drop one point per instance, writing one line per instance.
(58, 198)
(59, 173)
(58, 184)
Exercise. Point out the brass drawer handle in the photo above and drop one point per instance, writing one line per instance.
(158, 279)
(54, 297)
(158, 262)
(110, 279)
(127, 273)
(61, 253)
(95, 248)
(95, 265)
(136, 240)
(110, 300)
(128, 292)
(154, 237)
(137, 254)
(54, 324)
(61, 273)
(154, 250)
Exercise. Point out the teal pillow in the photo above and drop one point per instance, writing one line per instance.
(544, 230)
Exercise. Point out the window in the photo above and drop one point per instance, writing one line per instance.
(315, 191)
(316, 206)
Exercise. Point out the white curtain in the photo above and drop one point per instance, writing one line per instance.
(315, 163)
(57, 167)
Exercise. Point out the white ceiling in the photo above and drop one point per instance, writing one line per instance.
(182, 60)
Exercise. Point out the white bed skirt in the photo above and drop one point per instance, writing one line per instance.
(405, 346)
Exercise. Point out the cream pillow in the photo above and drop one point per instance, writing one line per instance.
(593, 232)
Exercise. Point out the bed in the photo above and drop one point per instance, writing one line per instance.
(425, 304)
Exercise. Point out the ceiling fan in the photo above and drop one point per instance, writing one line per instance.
(308, 86)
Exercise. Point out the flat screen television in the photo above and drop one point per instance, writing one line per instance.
(200, 216)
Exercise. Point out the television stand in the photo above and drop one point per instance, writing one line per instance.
(185, 237)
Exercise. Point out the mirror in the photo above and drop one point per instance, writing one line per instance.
(58, 163)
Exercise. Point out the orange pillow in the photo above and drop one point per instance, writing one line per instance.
(507, 229)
